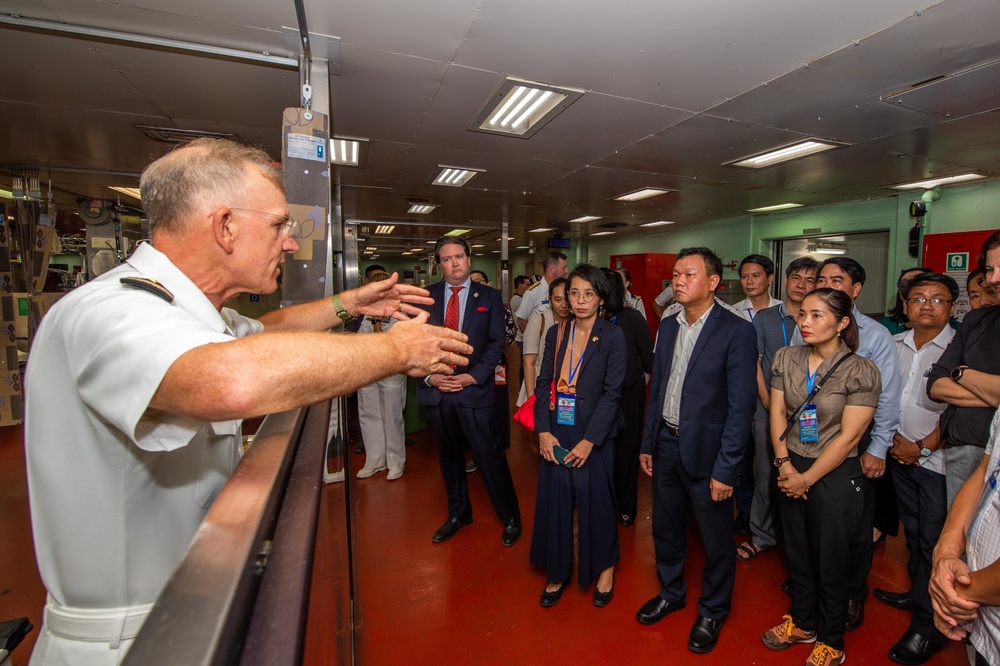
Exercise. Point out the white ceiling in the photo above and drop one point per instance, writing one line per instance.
(673, 91)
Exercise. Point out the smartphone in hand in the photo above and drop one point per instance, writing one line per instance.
(560, 453)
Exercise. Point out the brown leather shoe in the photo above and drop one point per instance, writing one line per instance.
(855, 615)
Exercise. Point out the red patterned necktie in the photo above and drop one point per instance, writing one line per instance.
(451, 313)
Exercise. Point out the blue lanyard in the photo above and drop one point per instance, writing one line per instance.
(784, 329)
(573, 369)
(750, 314)
(811, 379)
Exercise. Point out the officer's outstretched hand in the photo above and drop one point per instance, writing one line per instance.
(386, 298)
(428, 350)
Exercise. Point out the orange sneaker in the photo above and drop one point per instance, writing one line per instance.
(824, 655)
(785, 635)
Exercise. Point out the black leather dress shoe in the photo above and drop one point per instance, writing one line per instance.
(511, 532)
(900, 600)
(449, 529)
(913, 649)
(855, 615)
(786, 586)
(742, 523)
(658, 608)
(552, 598)
(704, 634)
(602, 599)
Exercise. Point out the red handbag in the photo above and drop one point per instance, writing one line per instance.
(525, 414)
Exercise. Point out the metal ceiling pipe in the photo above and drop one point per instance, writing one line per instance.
(148, 40)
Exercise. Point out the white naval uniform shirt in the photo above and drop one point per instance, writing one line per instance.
(535, 299)
(687, 338)
(918, 414)
(117, 492)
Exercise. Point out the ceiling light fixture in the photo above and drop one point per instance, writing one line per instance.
(421, 209)
(520, 108)
(384, 229)
(539, 230)
(827, 248)
(603, 233)
(127, 191)
(347, 151)
(457, 232)
(522, 247)
(455, 176)
(656, 224)
(934, 182)
(479, 245)
(645, 193)
(509, 239)
(786, 153)
(776, 207)
(587, 218)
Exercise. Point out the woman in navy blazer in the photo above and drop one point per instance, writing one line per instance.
(588, 362)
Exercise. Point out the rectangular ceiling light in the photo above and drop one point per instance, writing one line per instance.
(539, 230)
(127, 191)
(639, 195)
(771, 209)
(603, 233)
(384, 229)
(457, 232)
(455, 176)
(478, 245)
(934, 182)
(656, 224)
(509, 238)
(420, 209)
(346, 151)
(587, 218)
(520, 108)
(792, 151)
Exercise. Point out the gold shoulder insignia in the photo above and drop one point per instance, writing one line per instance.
(152, 286)
(533, 286)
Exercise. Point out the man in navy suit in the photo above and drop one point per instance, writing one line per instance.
(461, 407)
(697, 426)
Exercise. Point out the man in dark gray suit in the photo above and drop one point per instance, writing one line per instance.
(697, 427)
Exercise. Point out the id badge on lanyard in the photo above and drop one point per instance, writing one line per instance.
(566, 402)
(808, 422)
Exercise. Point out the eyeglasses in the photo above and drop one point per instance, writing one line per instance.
(585, 296)
(290, 227)
(932, 301)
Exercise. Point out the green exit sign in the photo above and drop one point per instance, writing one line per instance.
(22, 307)
(957, 262)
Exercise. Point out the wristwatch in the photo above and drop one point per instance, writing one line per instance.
(342, 312)
(778, 462)
(957, 373)
(924, 451)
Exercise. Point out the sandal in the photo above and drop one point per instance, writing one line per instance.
(748, 550)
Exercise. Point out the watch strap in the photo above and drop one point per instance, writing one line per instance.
(342, 312)
(778, 462)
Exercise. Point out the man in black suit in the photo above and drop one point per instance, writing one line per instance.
(461, 406)
(697, 427)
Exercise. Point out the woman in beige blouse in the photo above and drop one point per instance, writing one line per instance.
(534, 335)
(818, 461)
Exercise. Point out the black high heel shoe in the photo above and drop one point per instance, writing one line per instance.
(602, 599)
(552, 598)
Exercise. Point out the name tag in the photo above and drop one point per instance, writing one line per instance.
(808, 425)
(566, 409)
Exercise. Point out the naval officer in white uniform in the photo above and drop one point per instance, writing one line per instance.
(137, 383)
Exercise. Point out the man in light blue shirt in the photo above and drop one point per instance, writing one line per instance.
(876, 344)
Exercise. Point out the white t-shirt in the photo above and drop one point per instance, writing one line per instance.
(117, 492)
(918, 414)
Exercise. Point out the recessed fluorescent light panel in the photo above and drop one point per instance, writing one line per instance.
(792, 151)
(587, 218)
(603, 233)
(934, 182)
(127, 191)
(539, 230)
(661, 223)
(384, 229)
(646, 193)
(455, 176)
(457, 232)
(346, 151)
(776, 207)
(420, 209)
(520, 108)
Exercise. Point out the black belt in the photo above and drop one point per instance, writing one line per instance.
(671, 428)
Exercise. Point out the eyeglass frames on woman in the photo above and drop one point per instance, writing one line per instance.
(292, 228)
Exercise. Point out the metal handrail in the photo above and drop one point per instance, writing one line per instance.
(204, 612)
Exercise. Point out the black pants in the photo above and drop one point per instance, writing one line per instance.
(818, 534)
(627, 444)
(674, 490)
(923, 507)
(454, 425)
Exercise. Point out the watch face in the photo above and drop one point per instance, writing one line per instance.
(925, 452)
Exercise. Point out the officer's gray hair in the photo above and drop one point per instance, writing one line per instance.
(212, 170)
